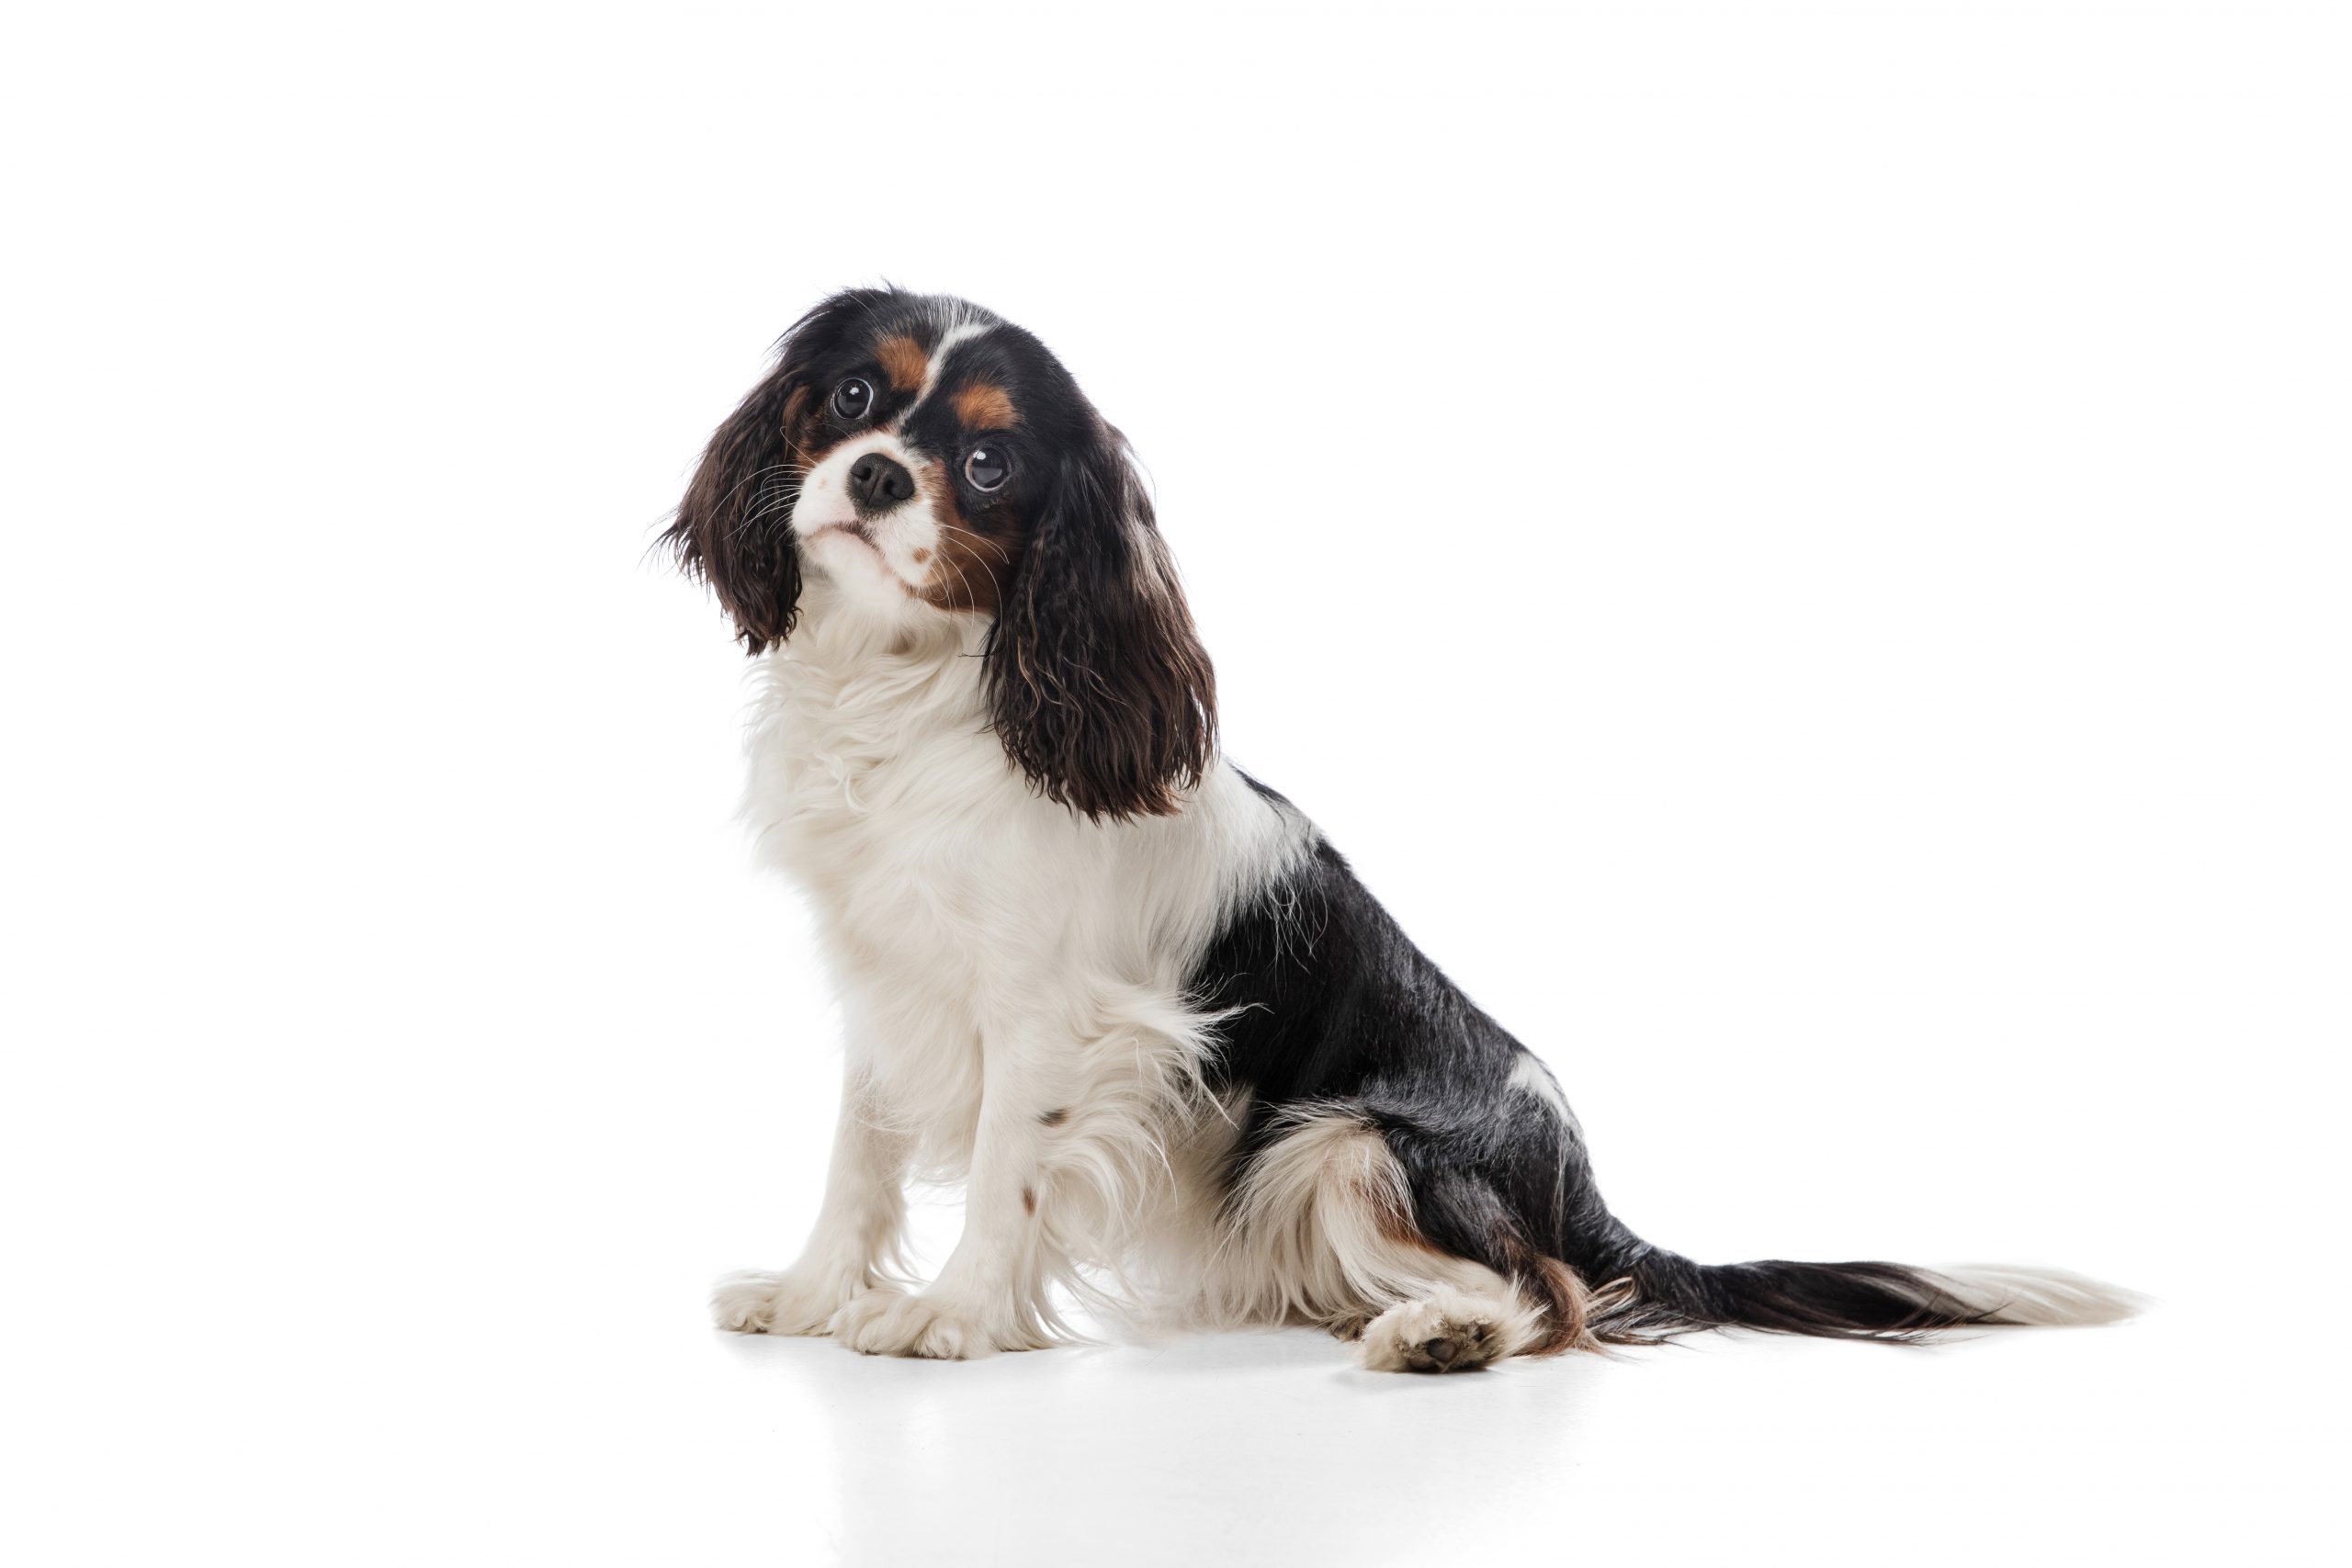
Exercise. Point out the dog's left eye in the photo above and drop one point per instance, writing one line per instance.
(988, 467)
(854, 398)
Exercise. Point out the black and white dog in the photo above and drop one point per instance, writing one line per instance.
(1182, 1060)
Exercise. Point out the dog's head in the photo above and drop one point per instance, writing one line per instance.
(924, 459)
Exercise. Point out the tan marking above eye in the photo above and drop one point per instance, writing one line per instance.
(984, 406)
(903, 360)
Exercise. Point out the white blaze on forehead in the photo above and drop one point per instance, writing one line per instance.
(962, 333)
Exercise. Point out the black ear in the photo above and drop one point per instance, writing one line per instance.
(1097, 683)
(734, 528)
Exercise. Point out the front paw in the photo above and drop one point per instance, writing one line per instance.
(888, 1322)
(793, 1301)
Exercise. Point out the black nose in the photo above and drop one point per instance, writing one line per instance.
(877, 483)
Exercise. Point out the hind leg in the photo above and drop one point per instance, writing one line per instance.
(1326, 1230)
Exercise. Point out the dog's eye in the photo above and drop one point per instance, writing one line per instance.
(988, 467)
(854, 398)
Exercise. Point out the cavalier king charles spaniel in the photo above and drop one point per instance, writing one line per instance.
(1182, 1060)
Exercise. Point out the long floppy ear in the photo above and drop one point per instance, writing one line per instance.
(1097, 683)
(734, 529)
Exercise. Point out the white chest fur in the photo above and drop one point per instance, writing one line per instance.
(963, 914)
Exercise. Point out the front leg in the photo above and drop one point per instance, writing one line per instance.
(991, 1294)
(857, 1228)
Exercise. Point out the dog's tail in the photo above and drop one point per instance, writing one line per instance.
(1653, 1295)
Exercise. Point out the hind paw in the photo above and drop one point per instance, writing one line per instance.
(1445, 1333)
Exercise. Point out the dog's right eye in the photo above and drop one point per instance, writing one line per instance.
(854, 398)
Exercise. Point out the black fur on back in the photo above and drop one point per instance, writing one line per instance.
(1327, 1003)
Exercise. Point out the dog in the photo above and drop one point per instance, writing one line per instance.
(1185, 1064)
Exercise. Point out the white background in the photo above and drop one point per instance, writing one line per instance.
(1800, 549)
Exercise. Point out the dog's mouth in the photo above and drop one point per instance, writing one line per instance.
(834, 564)
(853, 528)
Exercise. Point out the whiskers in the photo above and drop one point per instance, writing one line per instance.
(778, 492)
(984, 553)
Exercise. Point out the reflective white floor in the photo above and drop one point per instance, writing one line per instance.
(2090, 1446)
(606, 1423)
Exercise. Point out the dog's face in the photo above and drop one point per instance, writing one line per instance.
(924, 440)
(924, 460)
